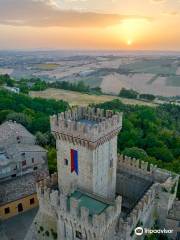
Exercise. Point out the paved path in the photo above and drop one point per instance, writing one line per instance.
(17, 227)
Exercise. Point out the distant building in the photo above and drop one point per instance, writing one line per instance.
(98, 195)
(13, 89)
(22, 163)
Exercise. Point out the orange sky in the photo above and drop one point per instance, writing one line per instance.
(90, 24)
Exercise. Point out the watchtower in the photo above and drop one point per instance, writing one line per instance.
(86, 140)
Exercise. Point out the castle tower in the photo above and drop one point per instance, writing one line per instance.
(86, 140)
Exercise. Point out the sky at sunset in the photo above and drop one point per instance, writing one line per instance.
(90, 24)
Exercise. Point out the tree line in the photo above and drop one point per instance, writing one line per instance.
(37, 84)
(130, 93)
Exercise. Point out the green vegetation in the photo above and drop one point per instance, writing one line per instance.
(5, 79)
(146, 96)
(130, 93)
(52, 159)
(150, 134)
(37, 84)
(34, 114)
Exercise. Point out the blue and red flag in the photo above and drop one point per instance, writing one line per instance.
(74, 161)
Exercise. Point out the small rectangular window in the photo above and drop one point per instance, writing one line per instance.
(32, 201)
(111, 163)
(79, 235)
(32, 160)
(35, 168)
(18, 139)
(24, 163)
(7, 210)
(65, 162)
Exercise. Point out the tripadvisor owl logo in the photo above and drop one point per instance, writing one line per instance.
(139, 231)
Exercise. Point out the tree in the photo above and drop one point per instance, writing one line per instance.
(3, 115)
(42, 138)
(149, 97)
(52, 160)
(128, 93)
(162, 153)
(21, 118)
(135, 152)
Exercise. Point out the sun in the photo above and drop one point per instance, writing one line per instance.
(129, 42)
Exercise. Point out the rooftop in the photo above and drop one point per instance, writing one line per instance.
(17, 188)
(94, 204)
(14, 148)
(10, 128)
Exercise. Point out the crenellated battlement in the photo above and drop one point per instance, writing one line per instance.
(70, 208)
(48, 182)
(143, 169)
(136, 166)
(86, 124)
(170, 185)
(103, 219)
(139, 211)
(142, 205)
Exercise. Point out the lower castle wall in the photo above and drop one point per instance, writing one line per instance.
(68, 229)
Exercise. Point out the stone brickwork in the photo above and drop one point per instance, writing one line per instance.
(93, 133)
(85, 126)
(109, 195)
(94, 227)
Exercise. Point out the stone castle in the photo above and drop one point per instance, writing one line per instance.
(98, 195)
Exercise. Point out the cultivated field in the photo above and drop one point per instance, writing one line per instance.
(76, 98)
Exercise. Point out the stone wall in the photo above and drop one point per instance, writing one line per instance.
(96, 168)
(54, 204)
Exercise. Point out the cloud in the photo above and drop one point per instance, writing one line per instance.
(47, 13)
(158, 1)
(171, 13)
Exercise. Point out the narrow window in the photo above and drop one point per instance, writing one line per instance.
(65, 162)
(7, 210)
(24, 163)
(32, 160)
(111, 163)
(18, 139)
(78, 235)
(32, 201)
